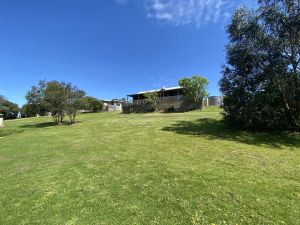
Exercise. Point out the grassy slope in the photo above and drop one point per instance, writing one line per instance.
(185, 168)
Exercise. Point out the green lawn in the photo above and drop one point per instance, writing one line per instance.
(181, 168)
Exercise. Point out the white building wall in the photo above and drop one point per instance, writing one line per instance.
(114, 107)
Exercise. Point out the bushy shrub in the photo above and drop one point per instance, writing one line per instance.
(170, 110)
(127, 108)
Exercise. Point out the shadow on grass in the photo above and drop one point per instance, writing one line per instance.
(8, 132)
(48, 124)
(216, 129)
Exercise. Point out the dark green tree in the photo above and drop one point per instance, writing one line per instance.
(92, 104)
(62, 99)
(28, 110)
(8, 109)
(35, 97)
(74, 97)
(55, 100)
(260, 82)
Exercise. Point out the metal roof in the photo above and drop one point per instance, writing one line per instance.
(113, 100)
(162, 89)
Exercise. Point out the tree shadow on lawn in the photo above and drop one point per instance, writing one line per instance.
(217, 129)
(48, 124)
(7, 132)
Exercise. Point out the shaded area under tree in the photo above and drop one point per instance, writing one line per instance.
(217, 129)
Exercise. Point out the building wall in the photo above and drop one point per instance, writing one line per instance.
(113, 107)
(178, 104)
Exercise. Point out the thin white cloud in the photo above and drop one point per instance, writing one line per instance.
(183, 12)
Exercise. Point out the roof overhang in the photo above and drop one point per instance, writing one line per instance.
(158, 90)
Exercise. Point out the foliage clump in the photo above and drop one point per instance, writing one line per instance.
(261, 81)
(59, 99)
(152, 99)
(195, 88)
(91, 104)
(8, 109)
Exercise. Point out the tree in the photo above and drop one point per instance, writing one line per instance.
(93, 104)
(55, 99)
(63, 99)
(152, 98)
(35, 98)
(28, 110)
(74, 101)
(60, 99)
(195, 88)
(261, 81)
(8, 109)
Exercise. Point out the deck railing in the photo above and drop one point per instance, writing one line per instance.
(161, 99)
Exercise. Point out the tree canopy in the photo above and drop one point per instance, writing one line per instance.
(8, 109)
(195, 88)
(92, 104)
(261, 80)
(59, 98)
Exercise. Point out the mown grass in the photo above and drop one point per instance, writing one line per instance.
(181, 168)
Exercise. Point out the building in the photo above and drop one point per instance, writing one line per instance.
(170, 99)
(113, 105)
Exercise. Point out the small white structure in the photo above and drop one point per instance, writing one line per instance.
(215, 100)
(113, 105)
(1, 120)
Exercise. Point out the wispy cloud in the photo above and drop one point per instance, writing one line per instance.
(183, 12)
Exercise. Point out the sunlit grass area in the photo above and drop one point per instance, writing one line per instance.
(159, 168)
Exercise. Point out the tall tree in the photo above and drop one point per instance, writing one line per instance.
(35, 98)
(55, 99)
(261, 80)
(195, 89)
(74, 101)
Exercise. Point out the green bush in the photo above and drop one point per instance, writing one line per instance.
(260, 84)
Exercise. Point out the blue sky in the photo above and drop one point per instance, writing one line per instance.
(111, 48)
